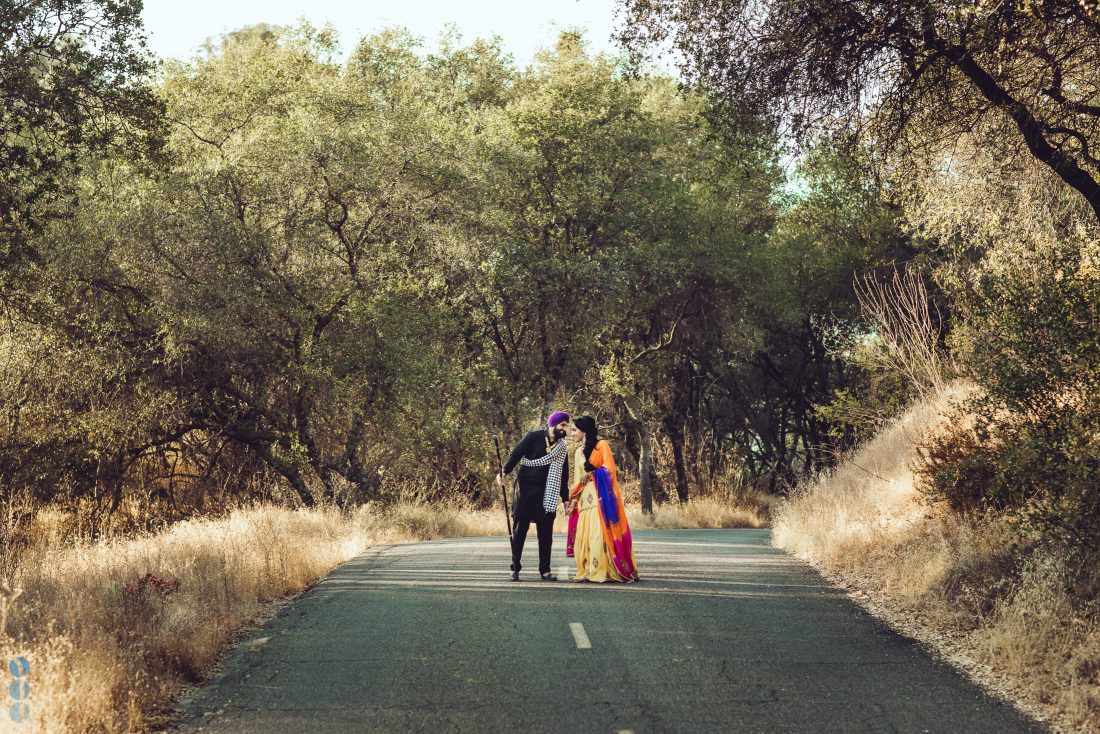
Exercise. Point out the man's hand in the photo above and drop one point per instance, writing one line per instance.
(500, 479)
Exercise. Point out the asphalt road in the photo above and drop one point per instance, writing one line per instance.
(723, 633)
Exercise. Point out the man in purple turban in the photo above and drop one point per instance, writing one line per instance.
(543, 480)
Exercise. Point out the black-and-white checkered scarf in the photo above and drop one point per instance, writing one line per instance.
(556, 460)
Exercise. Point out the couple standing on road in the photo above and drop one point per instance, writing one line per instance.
(599, 536)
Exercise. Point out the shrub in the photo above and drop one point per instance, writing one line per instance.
(1030, 341)
(1044, 474)
(957, 467)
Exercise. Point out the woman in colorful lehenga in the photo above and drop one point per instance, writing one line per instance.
(599, 536)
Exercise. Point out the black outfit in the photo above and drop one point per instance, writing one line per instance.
(527, 507)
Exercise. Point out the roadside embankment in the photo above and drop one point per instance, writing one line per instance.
(996, 604)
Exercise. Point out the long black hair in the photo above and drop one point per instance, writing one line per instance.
(587, 425)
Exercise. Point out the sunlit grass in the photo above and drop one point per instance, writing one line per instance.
(104, 657)
(701, 512)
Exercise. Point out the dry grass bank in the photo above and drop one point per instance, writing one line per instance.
(110, 647)
(108, 650)
(1002, 613)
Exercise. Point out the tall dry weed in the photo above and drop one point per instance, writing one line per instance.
(907, 326)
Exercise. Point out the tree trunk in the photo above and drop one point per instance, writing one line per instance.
(287, 470)
(645, 455)
(645, 463)
(676, 436)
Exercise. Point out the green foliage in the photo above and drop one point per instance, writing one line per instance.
(963, 468)
(345, 275)
(73, 79)
(1033, 316)
(73, 76)
(785, 388)
(1031, 342)
(307, 217)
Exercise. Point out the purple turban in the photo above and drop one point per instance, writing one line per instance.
(556, 418)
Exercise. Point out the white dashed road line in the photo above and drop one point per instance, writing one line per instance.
(580, 636)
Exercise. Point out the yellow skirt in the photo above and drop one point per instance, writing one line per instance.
(589, 549)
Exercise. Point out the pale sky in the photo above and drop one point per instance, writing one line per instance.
(177, 29)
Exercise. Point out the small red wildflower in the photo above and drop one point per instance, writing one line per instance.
(150, 581)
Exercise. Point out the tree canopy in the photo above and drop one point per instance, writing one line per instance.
(1025, 69)
(73, 80)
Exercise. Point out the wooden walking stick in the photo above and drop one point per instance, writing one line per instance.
(503, 489)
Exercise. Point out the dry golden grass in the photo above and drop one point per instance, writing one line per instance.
(103, 659)
(412, 521)
(700, 512)
(727, 505)
(948, 580)
(106, 660)
(425, 521)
